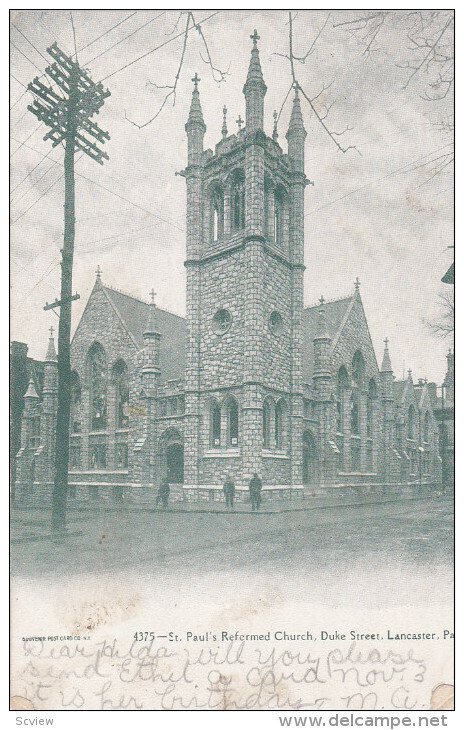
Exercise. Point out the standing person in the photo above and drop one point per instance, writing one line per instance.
(163, 494)
(255, 492)
(229, 492)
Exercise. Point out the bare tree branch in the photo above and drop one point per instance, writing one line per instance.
(443, 326)
(171, 89)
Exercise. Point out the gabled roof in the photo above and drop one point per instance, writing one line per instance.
(334, 315)
(172, 328)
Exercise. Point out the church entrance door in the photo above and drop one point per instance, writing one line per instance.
(175, 463)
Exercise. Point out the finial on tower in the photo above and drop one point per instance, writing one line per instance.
(275, 134)
(152, 295)
(51, 330)
(51, 352)
(410, 374)
(99, 272)
(386, 362)
(321, 300)
(196, 79)
(239, 122)
(224, 122)
(255, 38)
(357, 284)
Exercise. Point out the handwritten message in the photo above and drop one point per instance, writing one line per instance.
(111, 675)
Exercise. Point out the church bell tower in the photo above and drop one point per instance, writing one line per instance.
(245, 264)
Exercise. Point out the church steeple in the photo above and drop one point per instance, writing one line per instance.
(195, 126)
(296, 134)
(254, 90)
(386, 362)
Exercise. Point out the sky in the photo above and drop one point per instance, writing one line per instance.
(375, 212)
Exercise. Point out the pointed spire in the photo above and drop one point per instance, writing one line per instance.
(296, 118)
(31, 391)
(51, 352)
(254, 89)
(150, 328)
(322, 331)
(224, 122)
(386, 362)
(196, 113)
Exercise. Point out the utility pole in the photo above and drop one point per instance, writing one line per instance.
(68, 115)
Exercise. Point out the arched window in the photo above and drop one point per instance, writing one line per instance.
(411, 419)
(121, 382)
(76, 395)
(342, 386)
(238, 200)
(357, 369)
(280, 203)
(232, 422)
(215, 424)
(371, 396)
(268, 418)
(279, 424)
(217, 213)
(98, 384)
(426, 434)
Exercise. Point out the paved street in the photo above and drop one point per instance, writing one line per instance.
(417, 531)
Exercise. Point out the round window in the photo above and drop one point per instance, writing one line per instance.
(276, 322)
(222, 321)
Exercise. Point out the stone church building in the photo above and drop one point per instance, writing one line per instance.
(250, 380)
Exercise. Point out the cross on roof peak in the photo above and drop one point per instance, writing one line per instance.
(321, 300)
(195, 80)
(255, 38)
(152, 295)
(239, 121)
(99, 272)
(357, 283)
(51, 330)
(386, 341)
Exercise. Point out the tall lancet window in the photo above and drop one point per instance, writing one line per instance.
(280, 202)
(121, 383)
(238, 200)
(217, 213)
(97, 365)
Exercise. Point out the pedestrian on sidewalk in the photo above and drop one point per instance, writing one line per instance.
(163, 494)
(229, 492)
(255, 492)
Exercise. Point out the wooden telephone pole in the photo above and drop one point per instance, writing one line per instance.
(68, 115)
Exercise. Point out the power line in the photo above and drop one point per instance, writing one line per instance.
(117, 195)
(26, 57)
(74, 33)
(30, 42)
(33, 170)
(376, 180)
(26, 140)
(125, 38)
(18, 81)
(148, 53)
(108, 31)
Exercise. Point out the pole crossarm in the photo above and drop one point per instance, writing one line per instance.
(81, 99)
(60, 302)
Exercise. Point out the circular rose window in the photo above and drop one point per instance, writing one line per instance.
(276, 322)
(222, 321)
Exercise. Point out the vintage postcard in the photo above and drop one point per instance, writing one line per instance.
(232, 360)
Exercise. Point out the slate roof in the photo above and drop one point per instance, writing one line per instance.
(334, 314)
(172, 328)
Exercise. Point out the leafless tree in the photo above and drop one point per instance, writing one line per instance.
(443, 326)
(427, 60)
(219, 74)
(320, 110)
